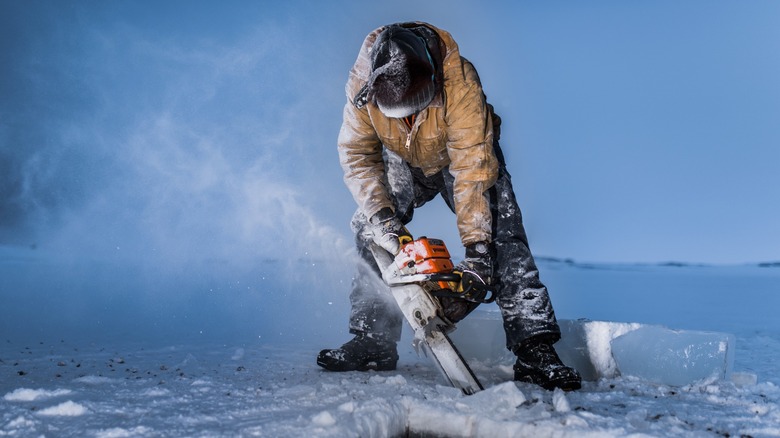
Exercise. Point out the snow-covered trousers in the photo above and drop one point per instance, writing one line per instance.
(521, 296)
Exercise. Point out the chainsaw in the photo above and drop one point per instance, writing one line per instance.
(425, 286)
(427, 261)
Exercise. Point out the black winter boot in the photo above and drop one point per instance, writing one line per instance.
(538, 363)
(364, 352)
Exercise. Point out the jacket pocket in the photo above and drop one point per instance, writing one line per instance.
(433, 150)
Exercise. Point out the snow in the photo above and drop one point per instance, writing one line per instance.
(559, 401)
(65, 409)
(147, 379)
(25, 394)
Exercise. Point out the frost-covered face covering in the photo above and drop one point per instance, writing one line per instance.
(402, 78)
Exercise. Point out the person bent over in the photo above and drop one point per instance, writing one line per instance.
(417, 125)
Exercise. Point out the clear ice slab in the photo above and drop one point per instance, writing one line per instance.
(674, 357)
(607, 349)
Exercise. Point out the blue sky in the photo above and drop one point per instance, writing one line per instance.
(634, 131)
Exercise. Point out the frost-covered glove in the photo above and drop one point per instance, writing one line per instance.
(476, 271)
(386, 230)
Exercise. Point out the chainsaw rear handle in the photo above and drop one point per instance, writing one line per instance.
(485, 297)
(446, 276)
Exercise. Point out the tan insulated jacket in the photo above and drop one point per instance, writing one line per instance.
(456, 130)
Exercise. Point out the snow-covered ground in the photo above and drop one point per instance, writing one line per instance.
(80, 356)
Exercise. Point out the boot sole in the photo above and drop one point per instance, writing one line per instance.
(567, 385)
(387, 365)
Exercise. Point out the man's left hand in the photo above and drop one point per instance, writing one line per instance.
(386, 230)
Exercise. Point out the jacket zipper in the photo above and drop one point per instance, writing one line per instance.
(418, 119)
(409, 135)
(410, 122)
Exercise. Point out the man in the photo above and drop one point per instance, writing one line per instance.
(417, 124)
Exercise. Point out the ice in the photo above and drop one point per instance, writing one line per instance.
(480, 336)
(25, 394)
(608, 349)
(585, 345)
(324, 418)
(674, 357)
(744, 379)
(65, 409)
(560, 402)
(277, 390)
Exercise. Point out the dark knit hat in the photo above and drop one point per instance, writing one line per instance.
(402, 73)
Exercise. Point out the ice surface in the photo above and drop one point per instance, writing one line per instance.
(674, 357)
(112, 387)
(278, 391)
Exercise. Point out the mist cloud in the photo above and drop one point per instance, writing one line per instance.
(186, 148)
(168, 183)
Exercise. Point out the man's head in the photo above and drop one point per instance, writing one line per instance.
(402, 78)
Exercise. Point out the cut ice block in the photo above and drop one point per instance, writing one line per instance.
(585, 346)
(674, 357)
(593, 347)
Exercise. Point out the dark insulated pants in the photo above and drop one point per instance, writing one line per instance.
(521, 296)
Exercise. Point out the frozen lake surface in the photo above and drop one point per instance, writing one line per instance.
(89, 350)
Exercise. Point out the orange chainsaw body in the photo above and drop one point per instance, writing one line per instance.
(426, 256)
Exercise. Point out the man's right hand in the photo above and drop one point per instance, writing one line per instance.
(476, 271)
(386, 229)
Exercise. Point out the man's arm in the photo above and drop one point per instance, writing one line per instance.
(359, 147)
(360, 155)
(470, 147)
